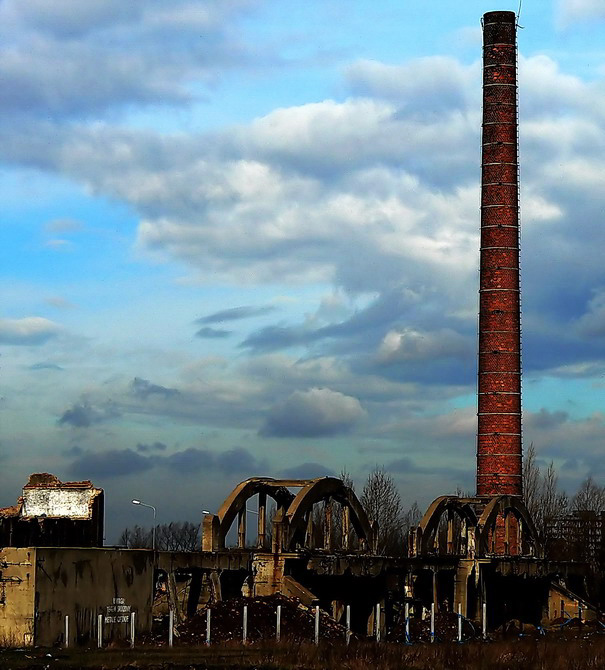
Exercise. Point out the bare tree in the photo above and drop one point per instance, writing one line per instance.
(531, 481)
(174, 536)
(545, 503)
(382, 503)
(552, 504)
(589, 498)
(412, 517)
(178, 536)
(136, 537)
(346, 478)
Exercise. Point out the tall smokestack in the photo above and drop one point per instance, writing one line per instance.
(499, 450)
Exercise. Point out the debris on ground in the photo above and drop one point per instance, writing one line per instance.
(226, 621)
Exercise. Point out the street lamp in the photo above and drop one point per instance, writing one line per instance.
(138, 502)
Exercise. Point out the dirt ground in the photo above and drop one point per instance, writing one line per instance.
(515, 654)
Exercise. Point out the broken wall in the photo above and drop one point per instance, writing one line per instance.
(17, 596)
(83, 583)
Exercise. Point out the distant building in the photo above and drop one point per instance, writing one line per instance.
(579, 536)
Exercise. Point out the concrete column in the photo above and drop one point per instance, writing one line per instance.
(210, 533)
(310, 534)
(346, 526)
(461, 585)
(507, 534)
(262, 521)
(241, 528)
(328, 525)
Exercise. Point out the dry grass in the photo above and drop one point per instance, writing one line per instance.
(518, 654)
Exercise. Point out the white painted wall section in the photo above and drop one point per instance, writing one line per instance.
(58, 502)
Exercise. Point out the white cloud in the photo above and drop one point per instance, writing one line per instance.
(592, 323)
(63, 226)
(570, 11)
(435, 85)
(413, 345)
(313, 413)
(70, 59)
(31, 330)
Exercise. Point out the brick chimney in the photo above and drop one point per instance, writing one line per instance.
(499, 449)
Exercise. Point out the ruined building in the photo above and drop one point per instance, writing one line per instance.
(52, 513)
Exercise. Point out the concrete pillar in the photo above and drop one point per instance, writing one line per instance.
(507, 533)
(346, 526)
(241, 527)
(310, 534)
(328, 525)
(463, 571)
(262, 521)
(210, 533)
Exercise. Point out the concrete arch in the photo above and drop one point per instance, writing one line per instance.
(430, 521)
(323, 489)
(501, 506)
(235, 503)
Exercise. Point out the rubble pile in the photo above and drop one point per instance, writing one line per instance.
(226, 622)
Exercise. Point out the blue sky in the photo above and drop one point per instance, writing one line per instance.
(241, 238)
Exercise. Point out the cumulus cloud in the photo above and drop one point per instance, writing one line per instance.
(107, 464)
(410, 344)
(574, 441)
(123, 462)
(368, 322)
(570, 11)
(143, 388)
(318, 411)
(545, 419)
(592, 323)
(118, 53)
(32, 330)
(436, 83)
(84, 415)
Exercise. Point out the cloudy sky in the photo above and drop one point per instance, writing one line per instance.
(240, 237)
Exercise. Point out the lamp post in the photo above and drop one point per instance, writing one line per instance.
(138, 502)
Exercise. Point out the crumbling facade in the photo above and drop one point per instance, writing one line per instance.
(52, 513)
